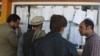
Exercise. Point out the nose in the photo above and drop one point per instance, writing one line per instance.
(79, 30)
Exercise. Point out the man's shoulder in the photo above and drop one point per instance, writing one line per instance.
(5, 27)
(69, 43)
(95, 37)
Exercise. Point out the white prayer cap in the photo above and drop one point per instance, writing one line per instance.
(37, 20)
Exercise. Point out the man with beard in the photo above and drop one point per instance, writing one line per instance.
(92, 44)
(8, 37)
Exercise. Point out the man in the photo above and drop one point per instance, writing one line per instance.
(92, 45)
(31, 35)
(8, 37)
(53, 44)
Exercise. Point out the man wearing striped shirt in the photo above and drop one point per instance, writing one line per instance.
(92, 45)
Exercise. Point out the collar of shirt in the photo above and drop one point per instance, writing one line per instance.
(9, 26)
(55, 34)
(90, 36)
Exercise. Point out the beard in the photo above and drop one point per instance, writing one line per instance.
(80, 33)
(13, 28)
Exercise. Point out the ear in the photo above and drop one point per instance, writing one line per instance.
(89, 27)
(12, 23)
(62, 29)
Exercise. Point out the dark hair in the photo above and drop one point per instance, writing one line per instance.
(89, 22)
(35, 25)
(57, 22)
(29, 27)
(13, 17)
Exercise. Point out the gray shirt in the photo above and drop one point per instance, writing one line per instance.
(92, 45)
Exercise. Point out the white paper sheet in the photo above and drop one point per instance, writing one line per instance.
(18, 12)
(47, 12)
(24, 27)
(58, 10)
(66, 31)
(79, 16)
(23, 12)
(69, 12)
(74, 35)
(35, 12)
(25, 15)
(83, 40)
(46, 26)
(92, 14)
(32, 14)
(40, 11)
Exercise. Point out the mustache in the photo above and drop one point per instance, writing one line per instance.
(13, 28)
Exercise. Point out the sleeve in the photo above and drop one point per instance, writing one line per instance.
(73, 50)
(20, 47)
(33, 50)
(12, 38)
(19, 34)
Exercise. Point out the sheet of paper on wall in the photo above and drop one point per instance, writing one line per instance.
(92, 14)
(83, 40)
(79, 16)
(23, 15)
(22, 12)
(66, 31)
(39, 11)
(74, 35)
(32, 14)
(18, 10)
(47, 12)
(35, 12)
(46, 26)
(69, 12)
(24, 27)
(57, 10)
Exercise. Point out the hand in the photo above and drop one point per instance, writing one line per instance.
(18, 29)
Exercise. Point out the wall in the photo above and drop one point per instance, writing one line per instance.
(55, 0)
(59, 0)
(5, 10)
(6, 6)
